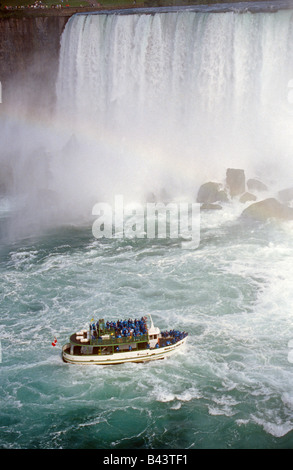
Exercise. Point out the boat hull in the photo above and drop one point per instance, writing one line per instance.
(121, 357)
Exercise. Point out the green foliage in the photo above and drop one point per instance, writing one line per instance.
(46, 5)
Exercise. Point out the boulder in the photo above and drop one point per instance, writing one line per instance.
(151, 197)
(235, 181)
(210, 207)
(247, 197)
(256, 185)
(267, 209)
(165, 196)
(6, 179)
(211, 192)
(222, 195)
(286, 195)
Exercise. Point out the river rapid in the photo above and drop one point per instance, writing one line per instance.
(145, 103)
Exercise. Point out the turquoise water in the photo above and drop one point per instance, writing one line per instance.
(147, 103)
(230, 388)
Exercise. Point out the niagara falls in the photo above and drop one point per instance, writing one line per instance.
(166, 108)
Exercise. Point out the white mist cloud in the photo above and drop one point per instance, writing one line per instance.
(152, 103)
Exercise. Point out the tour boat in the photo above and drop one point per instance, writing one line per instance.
(121, 341)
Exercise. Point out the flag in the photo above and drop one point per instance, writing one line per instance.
(54, 342)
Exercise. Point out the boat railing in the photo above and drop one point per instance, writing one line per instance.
(112, 339)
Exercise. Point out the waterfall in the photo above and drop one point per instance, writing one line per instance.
(163, 102)
(174, 98)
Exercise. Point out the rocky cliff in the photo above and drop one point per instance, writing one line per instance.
(29, 51)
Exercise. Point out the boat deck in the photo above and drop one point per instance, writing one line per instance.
(106, 340)
(110, 340)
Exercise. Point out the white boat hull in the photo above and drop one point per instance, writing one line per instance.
(122, 357)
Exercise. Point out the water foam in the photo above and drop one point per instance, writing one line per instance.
(233, 294)
(147, 102)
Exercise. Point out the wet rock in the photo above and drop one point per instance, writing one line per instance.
(151, 197)
(286, 195)
(211, 192)
(256, 185)
(29, 55)
(235, 181)
(267, 209)
(247, 197)
(165, 196)
(210, 207)
(6, 179)
(223, 196)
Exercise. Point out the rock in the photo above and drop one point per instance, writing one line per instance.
(247, 197)
(164, 196)
(211, 192)
(208, 192)
(235, 181)
(268, 208)
(286, 195)
(210, 207)
(151, 197)
(6, 179)
(223, 196)
(256, 185)
(29, 55)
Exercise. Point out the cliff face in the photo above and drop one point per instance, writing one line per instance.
(29, 52)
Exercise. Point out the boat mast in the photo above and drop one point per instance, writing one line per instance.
(152, 323)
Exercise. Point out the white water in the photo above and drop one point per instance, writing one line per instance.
(163, 100)
(151, 103)
(171, 100)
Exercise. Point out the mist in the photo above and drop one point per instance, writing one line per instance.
(149, 104)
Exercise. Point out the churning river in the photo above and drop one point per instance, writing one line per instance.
(150, 102)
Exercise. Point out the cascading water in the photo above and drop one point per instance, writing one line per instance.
(171, 99)
(146, 102)
(154, 102)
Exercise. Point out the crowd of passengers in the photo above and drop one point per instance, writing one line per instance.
(172, 336)
(122, 328)
(133, 328)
